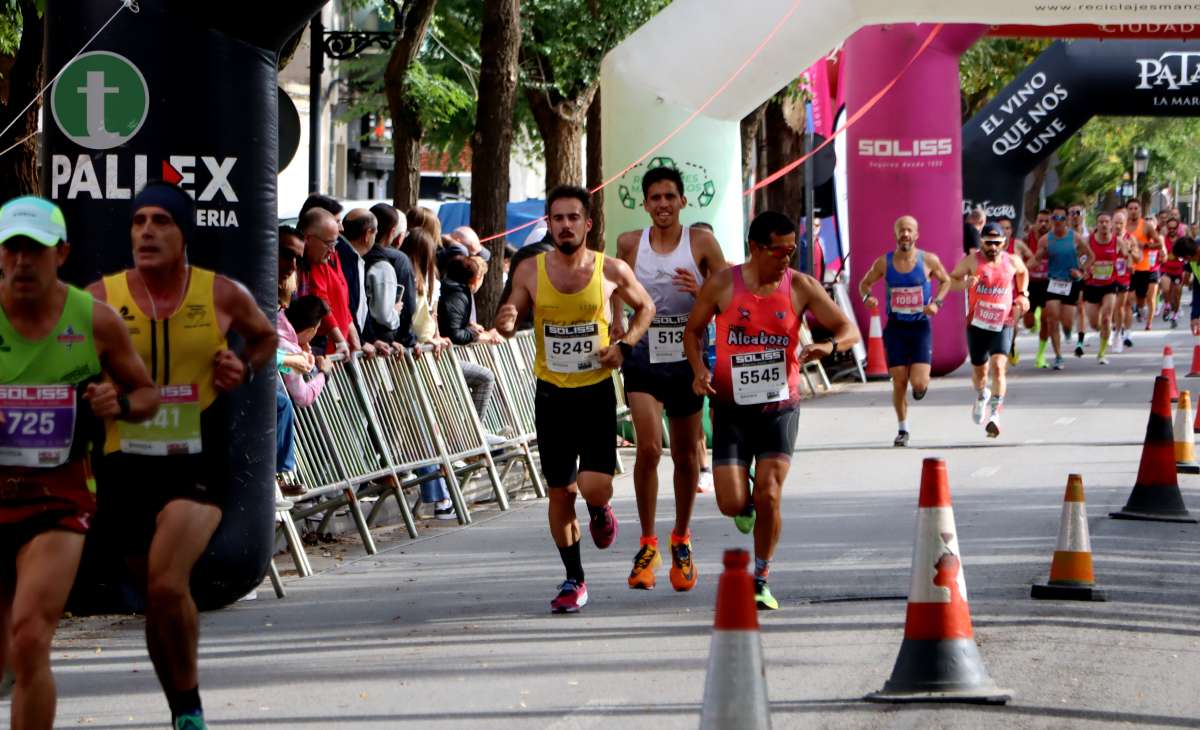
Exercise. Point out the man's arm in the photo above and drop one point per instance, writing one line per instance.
(702, 313)
(961, 276)
(1021, 276)
(631, 292)
(627, 248)
(712, 258)
(519, 301)
(1043, 252)
(122, 363)
(809, 295)
(877, 271)
(238, 308)
(937, 272)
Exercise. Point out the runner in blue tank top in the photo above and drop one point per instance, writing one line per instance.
(908, 336)
(1066, 254)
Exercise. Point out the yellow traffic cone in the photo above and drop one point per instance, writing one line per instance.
(1185, 440)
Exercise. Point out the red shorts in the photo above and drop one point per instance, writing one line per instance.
(33, 501)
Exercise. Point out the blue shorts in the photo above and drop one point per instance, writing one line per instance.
(908, 343)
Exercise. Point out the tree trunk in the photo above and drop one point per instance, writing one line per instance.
(750, 126)
(406, 125)
(561, 127)
(491, 144)
(595, 174)
(783, 146)
(1033, 193)
(18, 168)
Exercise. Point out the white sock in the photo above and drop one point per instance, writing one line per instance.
(903, 426)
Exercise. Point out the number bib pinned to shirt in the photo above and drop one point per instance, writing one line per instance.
(666, 338)
(989, 316)
(38, 425)
(175, 429)
(1103, 270)
(759, 377)
(1061, 287)
(907, 300)
(572, 348)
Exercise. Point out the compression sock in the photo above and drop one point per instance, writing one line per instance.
(1042, 349)
(184, 702)
(761, 568)
(572, 562)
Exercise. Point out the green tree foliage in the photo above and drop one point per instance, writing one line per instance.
(989, 65)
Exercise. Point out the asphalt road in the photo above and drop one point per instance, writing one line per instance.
(453, 631)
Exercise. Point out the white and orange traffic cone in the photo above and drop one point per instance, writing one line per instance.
(1071, 576)
(877, 367)
(735, 691)
(1195, 370)
(1168, 372)
(939, 660)
(1185, 440)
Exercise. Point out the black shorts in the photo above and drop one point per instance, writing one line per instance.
(1141, 282)
(576, 430)
(1070, 298)
(908, 342)
(982, 344)
(669, 383)
(1174, 277)
(1120, 287)
(1037, 293)
(741, 434)
(1095, 294)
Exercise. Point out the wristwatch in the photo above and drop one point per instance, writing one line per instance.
(1025, 293)
(833, 344)
(939, 302)
(626, 348)
(123, 405)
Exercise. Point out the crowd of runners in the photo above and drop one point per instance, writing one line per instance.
(97, 381)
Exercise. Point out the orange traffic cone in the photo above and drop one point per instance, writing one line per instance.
(939, 660)
(1195, 371)
(1168, 371)
(877, 368)
(735, 692)
(1071, 576)
(1185, 440)
(1156, 495)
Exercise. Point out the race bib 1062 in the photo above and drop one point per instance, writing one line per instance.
(37, 426)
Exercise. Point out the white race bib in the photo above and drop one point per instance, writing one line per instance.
(989, 316)
(572, 348)
(1059, 286)
(908, 299)
(759, 377)
(1102, 270)
(666, 338)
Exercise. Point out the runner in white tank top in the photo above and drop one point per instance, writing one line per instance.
(671, 261)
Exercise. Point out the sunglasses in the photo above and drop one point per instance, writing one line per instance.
(1058, 217)
(992, 242)
(780, 252)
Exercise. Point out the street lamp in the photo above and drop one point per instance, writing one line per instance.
(1141, 160)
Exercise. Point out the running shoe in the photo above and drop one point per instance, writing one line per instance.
(1014, 357)
(745, 521)
(901, 439)
(190, 721)
(1174, 323)
(1118, 345)
(1040, 362)
(604, 527)
(980, 403)
(571, 597)
(705, 484)
(645, 563)
(683, 569)
(1103, 360)
(1127, 342)
(919, 394)
(993, 425)
(1166, 313)
(1058, 362)
(762, 596)
(1079, 350)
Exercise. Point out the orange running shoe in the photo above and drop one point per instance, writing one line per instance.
(683, 569)
(645, 563)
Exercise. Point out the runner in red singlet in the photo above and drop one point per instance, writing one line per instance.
(1100, 287)
(1123, 309)
(989, 276)
(759, 308)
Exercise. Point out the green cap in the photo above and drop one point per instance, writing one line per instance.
(34, 218)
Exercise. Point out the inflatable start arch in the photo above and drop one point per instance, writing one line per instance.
(911, 161)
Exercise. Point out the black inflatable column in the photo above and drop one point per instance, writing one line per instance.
(186, 92)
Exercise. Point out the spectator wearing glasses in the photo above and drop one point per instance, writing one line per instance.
(320, 274)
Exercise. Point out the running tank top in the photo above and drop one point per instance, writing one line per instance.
(178, 352)
(757, 338)
(1041, 270)
(1062, 255)
(42, 382)
(990, 299)
(1104, 261)
(908, 293)
(1149, 260)
(663, 342)
(1173, 266)
(570, 330)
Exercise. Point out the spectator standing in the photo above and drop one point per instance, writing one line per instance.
(359, 228)
(391, 287)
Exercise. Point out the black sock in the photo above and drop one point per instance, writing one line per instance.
(595, 512)
(572, 562)
(184, 702)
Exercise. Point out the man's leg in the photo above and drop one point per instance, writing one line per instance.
(647, 424)
(181, 534)
(900, 395)
(1151, 303)
(45, 570)
(769, 475)
(1051, 318)
(1104, 311)
(732, 483)
(480, 382)
(685, 455)
(997, 367)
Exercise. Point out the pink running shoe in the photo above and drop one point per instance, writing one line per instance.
(571, 597)
(604, 527)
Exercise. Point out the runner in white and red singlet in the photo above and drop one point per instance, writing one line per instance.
(989, 277)
(1100, 286)
(759, 308)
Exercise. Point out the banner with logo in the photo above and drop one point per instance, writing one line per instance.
(182, 92)
(1062, 89)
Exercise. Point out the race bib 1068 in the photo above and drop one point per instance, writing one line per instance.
(37, 426)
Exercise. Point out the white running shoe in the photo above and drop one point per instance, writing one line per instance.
(705, 485)
(993, 425)
(980, 404)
